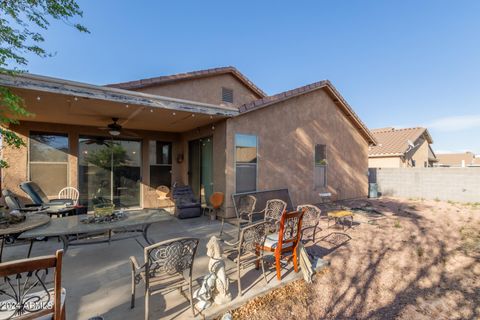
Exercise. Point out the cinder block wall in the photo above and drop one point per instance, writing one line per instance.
(456, 184)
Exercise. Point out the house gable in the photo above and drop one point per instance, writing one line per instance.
(202, 86)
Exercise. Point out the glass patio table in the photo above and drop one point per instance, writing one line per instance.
(72, 231)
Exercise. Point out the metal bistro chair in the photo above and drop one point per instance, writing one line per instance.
(311, 218)
(24, 292)
(168, 265)
(245, 251)
(284, 243)
(69, 193)
(273, 212)
(244, 212)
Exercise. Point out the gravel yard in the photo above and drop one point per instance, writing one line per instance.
(418, 260)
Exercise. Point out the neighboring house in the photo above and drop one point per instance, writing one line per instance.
(212, 129)
(465, 159)
(401, 148)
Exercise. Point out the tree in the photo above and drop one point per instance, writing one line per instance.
(21, 24)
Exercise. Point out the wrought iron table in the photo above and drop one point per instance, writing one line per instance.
(72, 231)
(32, 220)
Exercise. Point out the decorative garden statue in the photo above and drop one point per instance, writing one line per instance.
(215, 283)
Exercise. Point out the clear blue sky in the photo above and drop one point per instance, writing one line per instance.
(398, 63)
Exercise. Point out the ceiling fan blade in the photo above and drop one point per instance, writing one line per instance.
(130, 133)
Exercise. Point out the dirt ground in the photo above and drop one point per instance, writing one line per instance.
(419, 259)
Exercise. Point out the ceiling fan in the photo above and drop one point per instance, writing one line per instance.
(115, 129)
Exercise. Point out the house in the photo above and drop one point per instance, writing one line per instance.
(212, 129)
(401, 148)
(465, 159)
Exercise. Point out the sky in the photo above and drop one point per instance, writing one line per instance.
(398, 63)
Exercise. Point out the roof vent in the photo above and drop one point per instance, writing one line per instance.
(227, 95)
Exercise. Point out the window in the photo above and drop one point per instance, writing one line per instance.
(320, 171)
(160, 163)
(227, 95)
(245, 163)
(48, 161)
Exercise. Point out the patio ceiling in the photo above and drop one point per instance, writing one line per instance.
(66, 102)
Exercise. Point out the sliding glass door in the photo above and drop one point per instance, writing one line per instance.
(109, 171)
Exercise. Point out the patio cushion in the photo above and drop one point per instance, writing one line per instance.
(272, 241)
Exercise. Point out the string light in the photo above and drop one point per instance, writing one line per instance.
(38, 98)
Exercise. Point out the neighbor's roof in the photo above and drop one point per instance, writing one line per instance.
(457, 158)
(331, 91)
(143, 83)
(394, 142)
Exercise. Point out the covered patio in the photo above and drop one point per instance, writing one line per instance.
(97, 277)
(70, 141)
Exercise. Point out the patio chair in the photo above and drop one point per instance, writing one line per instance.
(311, 218)
(186, 205)
(163, 192)
(59, 207)
(168, 265)
(244, 212)
(14, 203)
(216, 202)
(69, 193)
(244, 252)
(24, 293)
(284, 242)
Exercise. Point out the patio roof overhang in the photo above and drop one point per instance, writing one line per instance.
(67, 102)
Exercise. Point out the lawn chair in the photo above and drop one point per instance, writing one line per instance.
(14, 203)
(59, 207)
(168, 265)
(24, 293)
(284, 242)
(244, 252)
(311, 218)
(244, 212)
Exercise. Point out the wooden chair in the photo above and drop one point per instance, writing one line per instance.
(244, 212)
(168, 265)
(311, 218)
(284, 242)
(69, 193)
(24, 291)
(245, 251)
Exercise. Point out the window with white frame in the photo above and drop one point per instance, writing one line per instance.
(320, 170)
(160, 163)
(48, 161)
(245, 163)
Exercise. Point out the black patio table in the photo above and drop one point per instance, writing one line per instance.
(72, 231)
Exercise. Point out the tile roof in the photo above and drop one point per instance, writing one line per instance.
(455, 159)
(143, 83)
(394, 142)
(324, 84)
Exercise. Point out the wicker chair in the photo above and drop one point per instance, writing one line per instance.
(245, 251)
(284, 242)
(311, 218)
(244, 212)
(168, 265)
(24, 292)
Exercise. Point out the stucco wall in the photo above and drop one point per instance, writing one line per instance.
(207, 90)
(385, 162)
(18, 158)
(287, 133)
(421, 154)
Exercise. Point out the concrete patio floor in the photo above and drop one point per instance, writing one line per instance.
(97, 277)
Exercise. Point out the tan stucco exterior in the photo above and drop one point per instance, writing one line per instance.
(287, 133)
(422, 156)
(207, 90)
(385, 162)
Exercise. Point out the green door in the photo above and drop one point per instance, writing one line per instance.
(200, 167)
